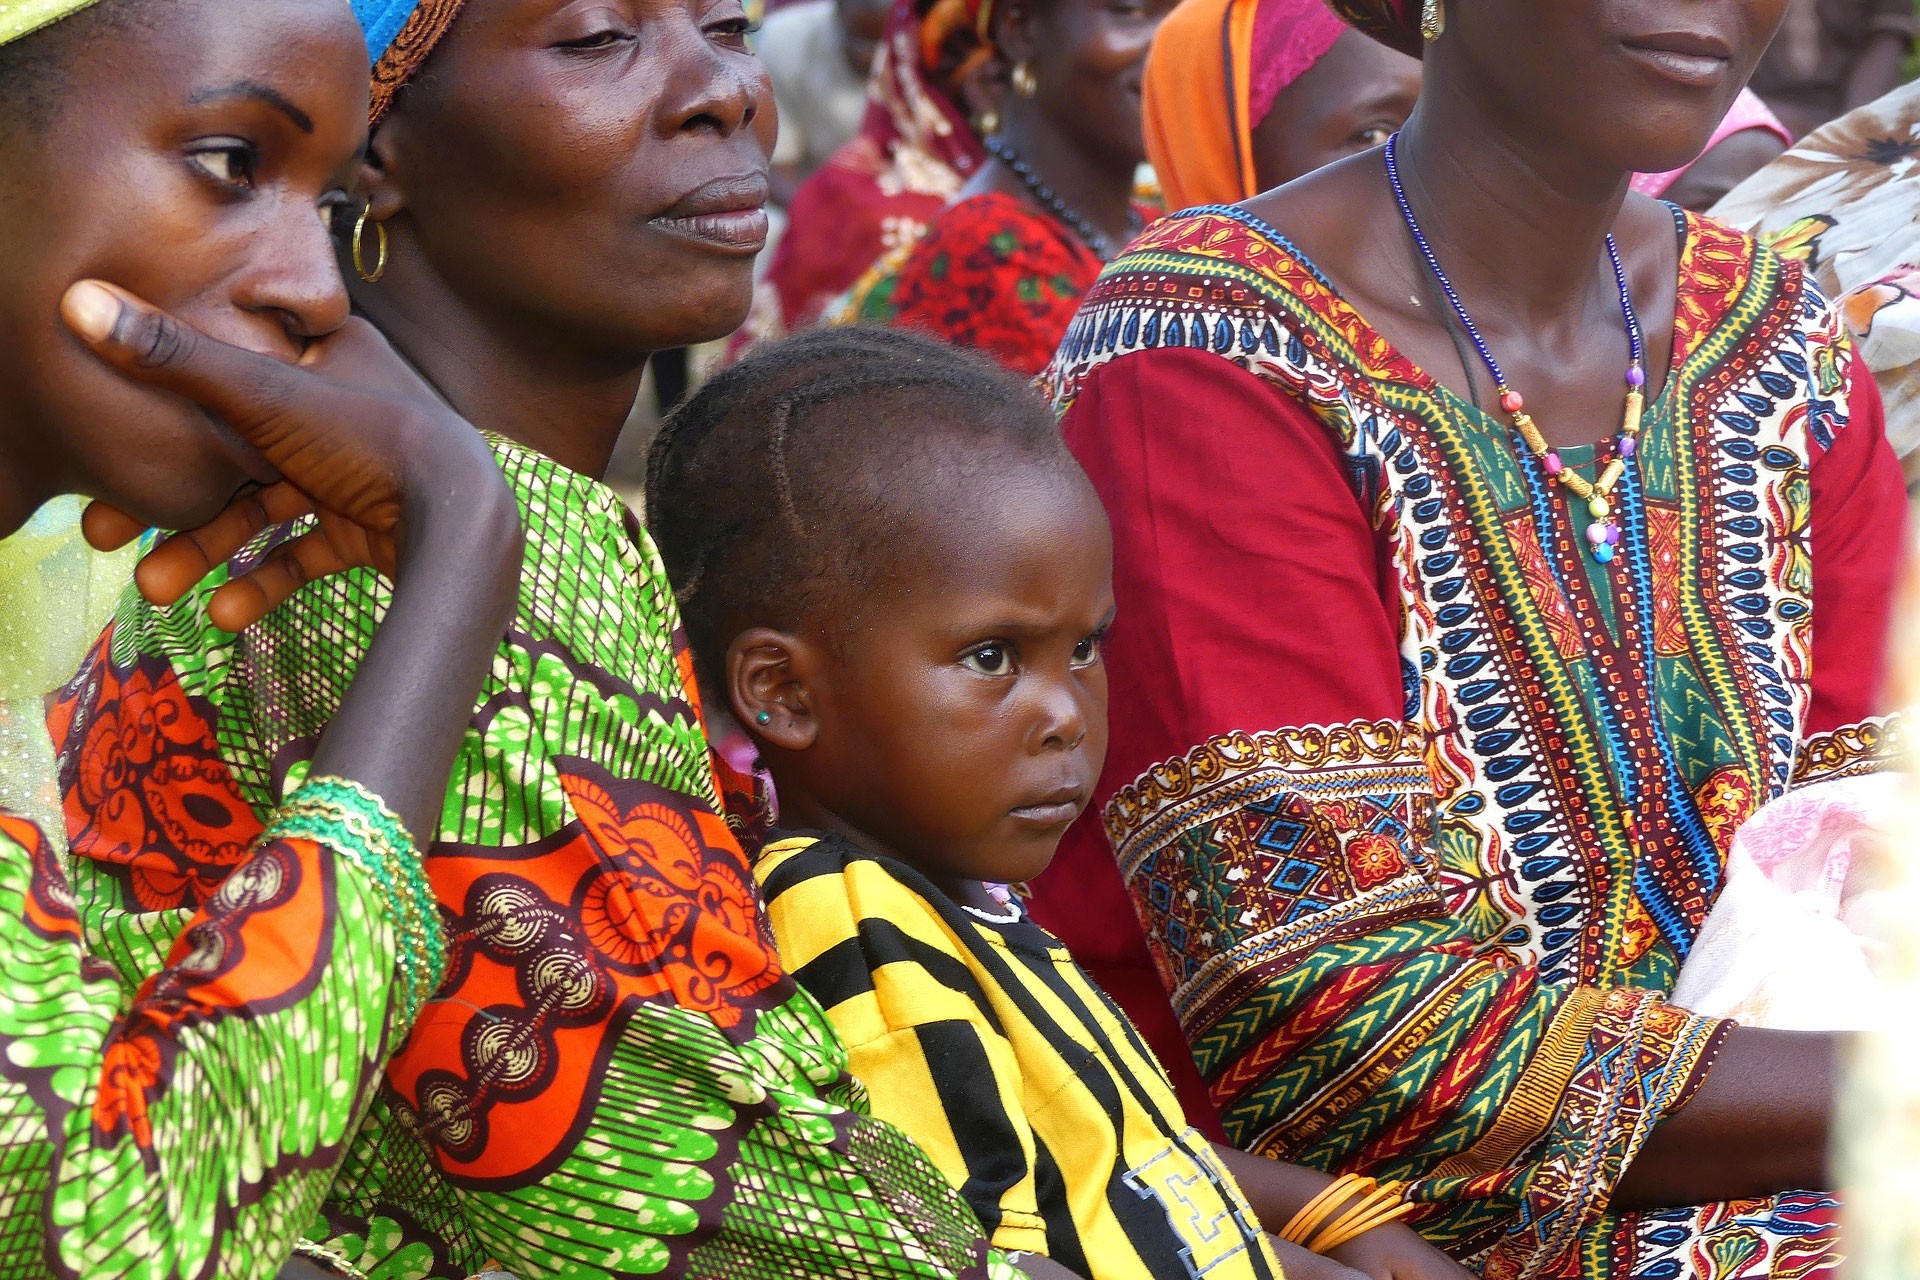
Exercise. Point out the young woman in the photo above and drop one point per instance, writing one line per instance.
(1003, 267)
(1455, 652)
(1244, 95)
(180, 1107)
(616, 1077)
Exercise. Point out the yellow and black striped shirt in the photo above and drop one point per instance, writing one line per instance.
(1027, 1086)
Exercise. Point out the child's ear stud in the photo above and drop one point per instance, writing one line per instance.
(764, 718)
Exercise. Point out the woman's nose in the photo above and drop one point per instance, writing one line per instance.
(714, 88)
(293, 281)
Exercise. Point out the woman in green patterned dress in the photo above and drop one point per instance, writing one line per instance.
(617, 1077)
(183, 1115)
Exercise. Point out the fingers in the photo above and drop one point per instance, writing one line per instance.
(243, 388)
(107, 527)
(171, 569)
(244, 601)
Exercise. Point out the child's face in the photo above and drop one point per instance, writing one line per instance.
(962, 723)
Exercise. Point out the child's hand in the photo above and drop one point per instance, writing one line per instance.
(1305, 1264)
(1396, 1252)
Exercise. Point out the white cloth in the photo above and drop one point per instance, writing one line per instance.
(821, 99)
(1795, 937)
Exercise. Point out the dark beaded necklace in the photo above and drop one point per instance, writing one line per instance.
(1050, 200)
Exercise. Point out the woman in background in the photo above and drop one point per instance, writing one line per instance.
(1003, 267)
(932, 85)
(1244, 95)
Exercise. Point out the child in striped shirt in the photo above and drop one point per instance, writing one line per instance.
(899, 579)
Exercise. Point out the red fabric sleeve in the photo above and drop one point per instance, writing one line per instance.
(1859, 542)
(1202, 559)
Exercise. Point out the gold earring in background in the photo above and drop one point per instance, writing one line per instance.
(380, 248)
(1433, 20)
(1024, 82)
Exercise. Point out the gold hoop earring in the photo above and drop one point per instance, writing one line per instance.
(380, 248)
(1433, 20)
(1025, 83)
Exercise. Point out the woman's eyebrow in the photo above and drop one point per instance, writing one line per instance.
(260, 93)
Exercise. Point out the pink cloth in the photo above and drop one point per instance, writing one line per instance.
(1747, 112)
(1289, 36)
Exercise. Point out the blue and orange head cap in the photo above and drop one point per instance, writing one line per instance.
(400, 35)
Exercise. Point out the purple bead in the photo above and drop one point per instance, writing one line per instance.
(1553, 464)
(1613, 533)
(1636, 376)
(1597, 532)
(1627, 446)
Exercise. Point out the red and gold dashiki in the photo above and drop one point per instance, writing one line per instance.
(992, 274)
(1422, 806)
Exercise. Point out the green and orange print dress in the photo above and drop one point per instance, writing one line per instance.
(616, 1076)
(1419, 805)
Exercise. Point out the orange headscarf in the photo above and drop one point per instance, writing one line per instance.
(1214, 71)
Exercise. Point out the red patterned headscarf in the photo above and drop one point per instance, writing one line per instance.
(400, 35)
(1395, 23)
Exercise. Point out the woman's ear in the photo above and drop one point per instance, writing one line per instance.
(767, 684)
(380, 177)
(1015, 32)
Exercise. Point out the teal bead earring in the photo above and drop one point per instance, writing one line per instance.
(764, 718)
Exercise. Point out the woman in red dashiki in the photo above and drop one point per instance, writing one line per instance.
(992, 274)
(915, 149)
(1423, 775)
(1003, 268)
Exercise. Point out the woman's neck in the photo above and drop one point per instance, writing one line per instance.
(536, 391)
(1097, 189)
(1507, 214)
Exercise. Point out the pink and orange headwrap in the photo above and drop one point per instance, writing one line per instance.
(1215, 69)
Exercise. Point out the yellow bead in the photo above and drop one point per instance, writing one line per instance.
(1600, 508)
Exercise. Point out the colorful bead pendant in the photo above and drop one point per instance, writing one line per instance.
(1603, 535)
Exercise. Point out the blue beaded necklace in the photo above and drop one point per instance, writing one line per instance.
(1603, 535)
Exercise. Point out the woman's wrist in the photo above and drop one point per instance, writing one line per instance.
(458, 511)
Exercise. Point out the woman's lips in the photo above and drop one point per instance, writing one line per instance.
(1697, 61)
(740, 230)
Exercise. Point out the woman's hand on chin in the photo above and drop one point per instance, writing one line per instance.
(358, 440)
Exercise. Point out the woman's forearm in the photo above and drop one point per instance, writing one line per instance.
(407, 710)
(1759, 1125)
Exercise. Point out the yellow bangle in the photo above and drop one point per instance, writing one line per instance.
(1376, 1211)
(1314, 1214)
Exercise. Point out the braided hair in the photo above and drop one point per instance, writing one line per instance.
(779, 492)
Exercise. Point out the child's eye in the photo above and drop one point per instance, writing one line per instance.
(1374, 135)
(990, 660)
(227, 161)
(1087, 652)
